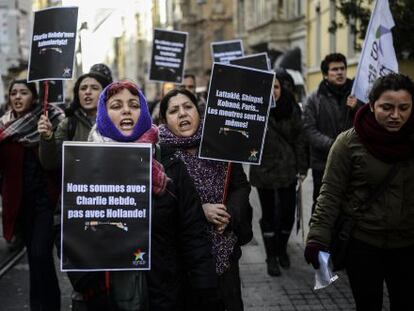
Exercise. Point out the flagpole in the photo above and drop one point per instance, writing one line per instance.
(45, 96)
(363, 48)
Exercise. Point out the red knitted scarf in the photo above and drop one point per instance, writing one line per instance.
(381, 143)
(159, 178)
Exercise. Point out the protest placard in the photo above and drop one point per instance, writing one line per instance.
(168, 56)
(53, 44)
(106, 206)
(236, 114)
(224, 51)
(257, 61)
(55, 92)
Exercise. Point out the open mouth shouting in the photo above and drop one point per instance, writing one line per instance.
(185, 125)
(88, 100)
(18, 105)
(126, 125)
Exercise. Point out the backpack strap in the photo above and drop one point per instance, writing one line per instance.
(72, 124)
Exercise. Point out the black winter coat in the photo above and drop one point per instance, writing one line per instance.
(325, 117)
(181, 251)
(284, 153)
(238, 205)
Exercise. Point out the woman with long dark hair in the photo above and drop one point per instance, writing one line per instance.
(29, 193)
(376, 155)
(80, 117)
(284, 158)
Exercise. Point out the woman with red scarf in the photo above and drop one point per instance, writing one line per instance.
(29, 194)
(382, 241)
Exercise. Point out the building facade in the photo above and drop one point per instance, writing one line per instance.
(276, 27)
(15, 29)
(205, 21)
(320, 42)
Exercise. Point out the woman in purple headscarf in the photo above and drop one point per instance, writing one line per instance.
(180, 251)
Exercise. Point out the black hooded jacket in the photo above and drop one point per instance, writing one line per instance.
(181, 251)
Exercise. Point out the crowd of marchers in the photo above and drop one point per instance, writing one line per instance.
(196, 236)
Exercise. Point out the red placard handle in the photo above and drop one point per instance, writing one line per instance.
(45, 96)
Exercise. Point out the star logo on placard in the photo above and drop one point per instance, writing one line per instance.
(253, 155)
(139, 255)
(66, 72)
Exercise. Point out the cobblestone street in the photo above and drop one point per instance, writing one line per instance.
(294, 289)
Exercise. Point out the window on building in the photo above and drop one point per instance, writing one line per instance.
(219, 34)
(318, 33)
(298, 7)
(351, 38)
(280, 7)
(240, 16)
(260, 15)
(332, 18)
(259, 12)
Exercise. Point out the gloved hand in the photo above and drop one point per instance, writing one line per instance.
(312, 250)
(301, 176)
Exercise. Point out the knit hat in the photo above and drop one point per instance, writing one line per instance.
(103, 70)
(107, 128)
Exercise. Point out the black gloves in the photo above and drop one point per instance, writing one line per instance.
(312, 251)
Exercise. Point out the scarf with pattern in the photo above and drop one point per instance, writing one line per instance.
(209, 178)
(159, 178)
(24, 129)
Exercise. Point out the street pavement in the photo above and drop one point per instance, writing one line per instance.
(294, 289)
(291, 291)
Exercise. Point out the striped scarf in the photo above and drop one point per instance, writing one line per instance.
(24, 129)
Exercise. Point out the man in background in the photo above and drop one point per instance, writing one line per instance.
(328, 111)
(189, 83)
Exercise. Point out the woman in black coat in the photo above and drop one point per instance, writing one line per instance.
(284, 158)
(179, 248)
(29, 193)
(229, 217)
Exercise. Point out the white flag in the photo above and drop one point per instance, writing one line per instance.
(378, 56)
